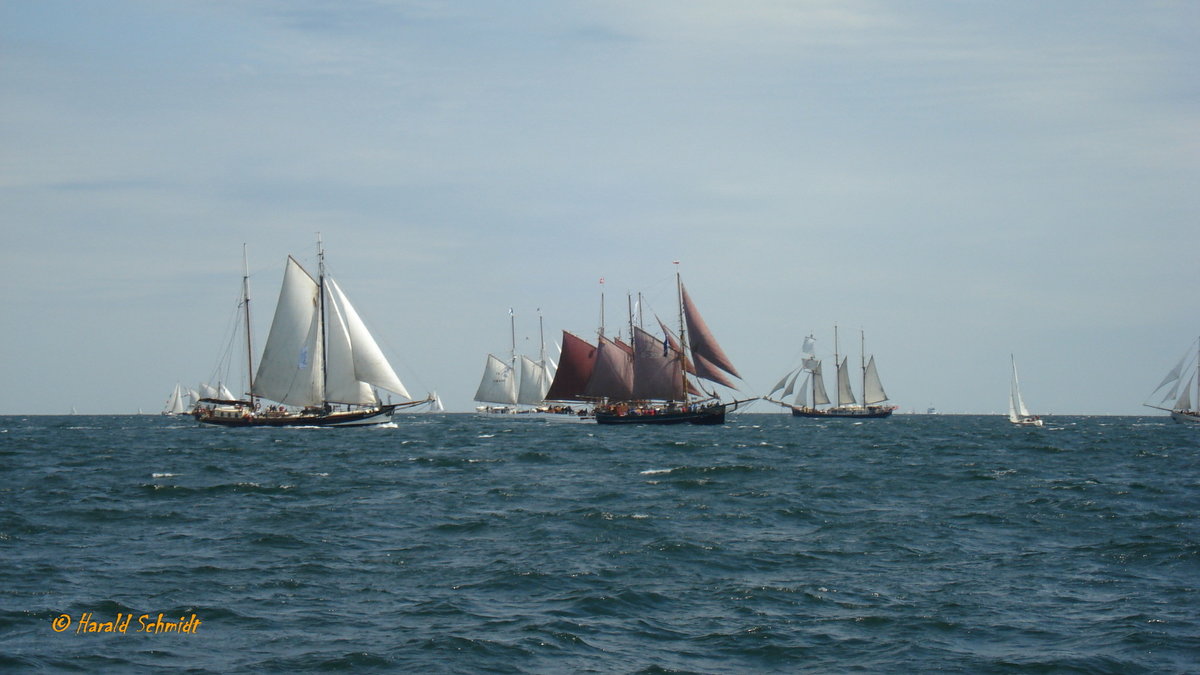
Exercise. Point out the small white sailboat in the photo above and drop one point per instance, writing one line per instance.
(1017, 412)
(1178, 384)
(175, 404)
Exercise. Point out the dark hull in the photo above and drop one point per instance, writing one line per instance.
(354, 418)
(708, 415)
(855, 413)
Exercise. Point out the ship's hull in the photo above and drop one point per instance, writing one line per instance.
(873, 412)
(241, 417)
(1186, 416)
(706, 415)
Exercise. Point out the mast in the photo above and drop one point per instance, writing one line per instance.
(246, 307)
(837, 364)
(512, 327)
(601, 306)
(862, 363)
(324, 347)
(542, 342)
(683, 344)
(629, 307)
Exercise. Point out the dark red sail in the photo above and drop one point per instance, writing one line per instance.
(574, 370)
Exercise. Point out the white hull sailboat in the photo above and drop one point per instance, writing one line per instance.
(1017, 412)
(1178, 385)
(320, 366)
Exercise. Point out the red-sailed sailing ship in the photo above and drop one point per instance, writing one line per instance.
(652, 380)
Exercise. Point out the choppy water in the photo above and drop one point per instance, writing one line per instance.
(451, 543)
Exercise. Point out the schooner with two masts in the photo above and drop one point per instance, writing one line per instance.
(508, 388)
(319, 367)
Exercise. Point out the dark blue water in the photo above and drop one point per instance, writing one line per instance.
(452, 543)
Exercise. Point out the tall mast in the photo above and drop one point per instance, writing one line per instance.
(512, 327)
(601, 306)
(542, 341)
(246, 308)
(321, 318)
(862, 362)
(629, 305)
(683, 344)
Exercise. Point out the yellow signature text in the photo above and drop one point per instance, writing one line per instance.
(88, 623)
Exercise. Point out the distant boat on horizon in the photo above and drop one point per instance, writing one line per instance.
(649, 380)
(811, 391)
(1017, 412)
(175, 404)
(1181, 379)
(508, 386)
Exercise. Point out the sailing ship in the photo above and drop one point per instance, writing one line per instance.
(1178, 386)
(811, 391)
(175, 402)
(648, 380)
(509, 387)
(1017, 412)
(319, 367)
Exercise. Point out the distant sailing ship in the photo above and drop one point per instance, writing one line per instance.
(1017, 412)
(175, 402)
(811, 391)
(320, 366)
(1181, 379)
(649, 380)
(509, 387)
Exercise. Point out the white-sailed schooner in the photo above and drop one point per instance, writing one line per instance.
(810, 394)
(1177, 388)
(1017, 412)
(508, 386)
(319, 367)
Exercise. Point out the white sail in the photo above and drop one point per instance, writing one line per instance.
(436, 405)
(224, 393)
(290, 370)
(807, 346)
(368, 364)
(174, 404)
(341, 383)
(818, 382)
(802, 393)
(1016, 405)
(784, 381)
(872, 388)
(498, 384)
(791, 384)
(845, 395)
(1184, 402)
(207, 391)
(534, 382)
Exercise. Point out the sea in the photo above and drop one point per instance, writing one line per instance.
(454, 543)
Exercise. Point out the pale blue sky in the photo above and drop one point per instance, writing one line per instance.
(961, 180)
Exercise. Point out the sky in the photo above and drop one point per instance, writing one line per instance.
(952, 181)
